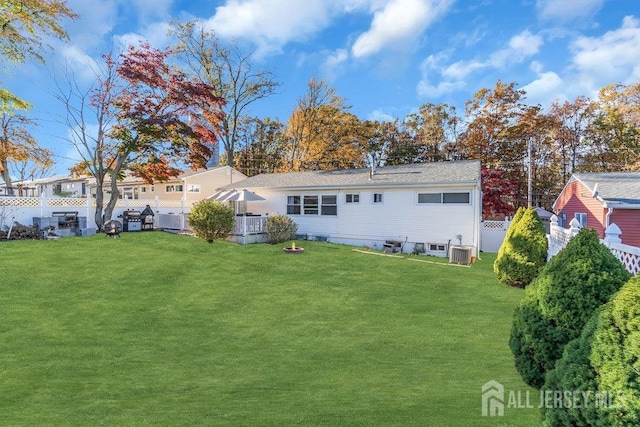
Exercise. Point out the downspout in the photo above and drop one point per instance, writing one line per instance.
(608, 218)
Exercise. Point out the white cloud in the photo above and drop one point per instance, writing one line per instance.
(398, 24)
(83, 66)
(611, 58)
(461, 69)
(567, 10)
(380, 116)
(333, 63)
(454, 76)
(520, 47)
(435, 64)
(271, 24)
(545, 89)
(97, 19)
(149, 10)
(155, 34)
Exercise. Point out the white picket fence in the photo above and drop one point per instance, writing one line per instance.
(628, 255)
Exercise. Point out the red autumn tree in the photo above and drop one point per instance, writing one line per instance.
(162, 118)
(497, 194)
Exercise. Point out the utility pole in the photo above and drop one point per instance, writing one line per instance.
(530, 174)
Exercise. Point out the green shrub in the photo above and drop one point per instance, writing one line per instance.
(280, 228)
(524, 250)
(211, 220)
(606, 359)
(560, 301)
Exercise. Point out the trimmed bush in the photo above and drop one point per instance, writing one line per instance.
(524, 250)
(280, 228)
(211, 220)
(605, 359)
(558, 304)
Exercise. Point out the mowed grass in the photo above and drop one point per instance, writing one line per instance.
(154, 328)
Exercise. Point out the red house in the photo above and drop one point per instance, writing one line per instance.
(600, 199)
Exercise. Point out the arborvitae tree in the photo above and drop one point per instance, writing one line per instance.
(604, 359)
(523, 252)
(558, 304)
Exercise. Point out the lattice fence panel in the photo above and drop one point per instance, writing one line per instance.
(631, 261)
(493, 225)
(67, 202)
(27, 202)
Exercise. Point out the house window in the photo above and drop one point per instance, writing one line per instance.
(462, 198)
(329, 205)
(143, 189)
(377, 197)
(173, 188)
(455, 198)
(352, 198)
(429, 197)
(582, 219)
(193, 188)
(310, 205)
(129, 193)
(153, 189)
(437, 247)
(293, 205)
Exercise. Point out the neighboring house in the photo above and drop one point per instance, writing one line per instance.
(436, 204)
(192, 185)
(69, 186)
(599, 199)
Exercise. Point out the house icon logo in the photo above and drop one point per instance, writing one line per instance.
(492, 399)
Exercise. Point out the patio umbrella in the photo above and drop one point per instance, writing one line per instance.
(221, 195)
(244, 196)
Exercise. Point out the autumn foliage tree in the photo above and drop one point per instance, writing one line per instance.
(496, 191)
(322, 134)
(151, 117)
(228, 71)
(24, 25)
(162, 116)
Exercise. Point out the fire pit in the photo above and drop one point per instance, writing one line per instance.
(293, 249)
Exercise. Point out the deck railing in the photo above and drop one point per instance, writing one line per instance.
(247, 225)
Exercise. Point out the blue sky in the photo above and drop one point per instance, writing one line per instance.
(385, 57)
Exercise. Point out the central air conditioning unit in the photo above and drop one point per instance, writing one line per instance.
(460, 255)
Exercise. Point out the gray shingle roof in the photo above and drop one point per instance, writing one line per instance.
(620, 187)
(402, 175)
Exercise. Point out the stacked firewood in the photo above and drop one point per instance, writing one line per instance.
(21, 232)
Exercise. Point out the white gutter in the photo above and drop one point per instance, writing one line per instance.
(608, 218)
(614, 205)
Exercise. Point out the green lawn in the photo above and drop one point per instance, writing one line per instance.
(154, 328)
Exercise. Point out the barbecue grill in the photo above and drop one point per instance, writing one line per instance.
(131, 221)
(147, 219)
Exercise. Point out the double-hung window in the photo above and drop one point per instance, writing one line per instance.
(329, 205)
(293, 205)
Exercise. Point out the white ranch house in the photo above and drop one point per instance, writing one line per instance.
(438, 205)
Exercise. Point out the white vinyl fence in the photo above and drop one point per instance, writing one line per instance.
(24, 209)
(629, 256)
(492, 234)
